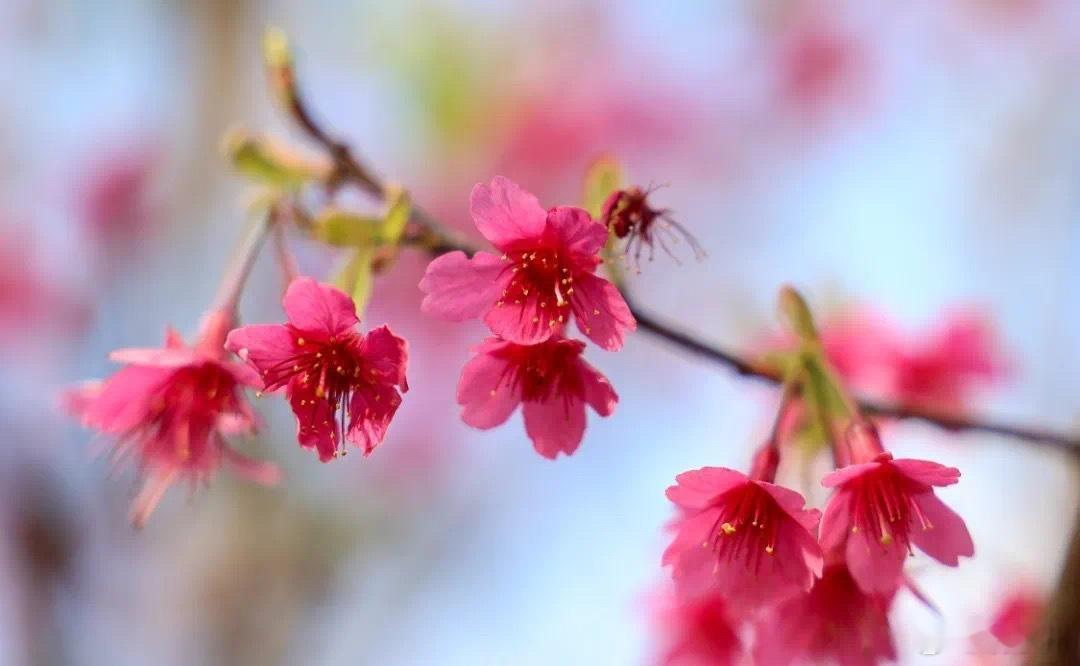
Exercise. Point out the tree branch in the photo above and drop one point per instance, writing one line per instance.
(427, 233)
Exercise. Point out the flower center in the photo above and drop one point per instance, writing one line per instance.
(184, 414)
(884, 507)
(745, 527)
(541, 274)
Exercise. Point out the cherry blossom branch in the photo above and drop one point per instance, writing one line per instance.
(427, 233)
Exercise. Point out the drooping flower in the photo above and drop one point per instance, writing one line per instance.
(338, 381)
(883, 507)
(747, 539)
(699, 632)
(628, 214)
(836, 623)
(547, 272)
(1017, 616)
(170, 408)
(550, 380)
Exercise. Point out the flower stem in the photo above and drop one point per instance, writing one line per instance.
(243, 258)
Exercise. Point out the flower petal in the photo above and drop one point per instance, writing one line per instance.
(875, 567)
(598, 391)
(460, 288)
(845, 474)
(505, 214)
(265, 346)
(486, 389)
(168, 357)
(370, 412)
(387, 355)
(319, 309)
(836, 521)
(945, 538)
(527, 323)
(600, 311)
(555, 426)
(577, 233)
(699, 488)
(926, 472)
(316, 422)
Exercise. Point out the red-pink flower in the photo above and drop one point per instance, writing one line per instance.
(751, 541)
(700, 632)
(836, 623)
(170, 409)
(1017, 616)
(547, 272)
(941, 370)
(336, 379)
(884, 507)
(550, 380)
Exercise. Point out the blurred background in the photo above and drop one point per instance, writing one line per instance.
(911, 157)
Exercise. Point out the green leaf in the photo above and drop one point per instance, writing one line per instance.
(355, 278)
(342, 228)
(267, 164)
(397, 216)
(796, 314)
(604, 176)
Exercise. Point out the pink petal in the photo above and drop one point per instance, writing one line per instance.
(793, 504)
(598, 391)
(600, 311)
(836, 521)
(946, 538)
(259, 471)
(386, 354)
(505, 214)
(371, 411)
(460, 288)
(926, 472)
(486, 389)
(578, 233)
(316, 422)
(555, 425)
(874, 566)
(319, 308)
(173, 339)
(123, 401)
(845, 474)
(526, 323)
(690, 535)
(265, 346)
(698, 488)
(169, 357)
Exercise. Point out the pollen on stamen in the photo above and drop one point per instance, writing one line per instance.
(300, 342)
(728, 528)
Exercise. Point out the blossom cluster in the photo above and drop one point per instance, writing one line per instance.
(172, 408)
(749, 559)
(544, 277)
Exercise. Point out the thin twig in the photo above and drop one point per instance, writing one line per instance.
(427, 233)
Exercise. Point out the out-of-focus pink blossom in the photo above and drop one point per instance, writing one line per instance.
(749, 540)
(550, 380)
(29, 298)
(547, 272)
(112, 194)
(1017, 616)
(836, 623)
(170, 408)
(337, 380)
(699, 632)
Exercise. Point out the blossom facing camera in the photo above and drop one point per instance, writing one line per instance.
(549, 379)
(343, 386)
(748, 540)
(627, 214)
(881, 509)
(545, 274)
(170, 409)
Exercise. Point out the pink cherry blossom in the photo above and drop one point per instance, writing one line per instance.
(700, 632)
(336, 379)
(749, 540)
(1017, 616)
(546, 273)
(550, 380)
(881, 509)
(170, 409)
(836, 623)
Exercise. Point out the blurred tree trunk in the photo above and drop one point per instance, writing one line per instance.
(1057, 641)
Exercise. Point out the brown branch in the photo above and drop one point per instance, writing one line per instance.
(1057, 639)
(429, 234)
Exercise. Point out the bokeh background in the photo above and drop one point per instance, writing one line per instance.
(910, 156)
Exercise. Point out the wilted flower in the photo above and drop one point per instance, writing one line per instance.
(628, 214)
